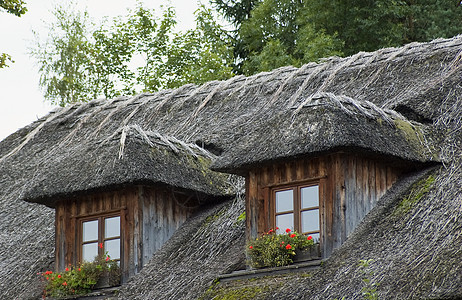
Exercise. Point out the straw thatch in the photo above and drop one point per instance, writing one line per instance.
(402, 103)
(373, 101)
(129, 156)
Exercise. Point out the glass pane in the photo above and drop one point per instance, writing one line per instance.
(310, 196)
(89, 252)
(90, 231)
(315, 237)
(284, 221)
(284, 200)
(113, 248)
(112, 227)
(310, 220)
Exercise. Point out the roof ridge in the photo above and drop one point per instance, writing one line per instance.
(364, 107)
(152, 137)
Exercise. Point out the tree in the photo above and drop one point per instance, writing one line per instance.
(272, 33)
(130, 54)
(371, 25)
(63, 58)
(201, 54)
(278, 34)
(17, 8)
(236, 12)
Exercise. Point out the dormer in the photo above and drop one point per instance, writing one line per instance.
(126, 198)
(320, 166)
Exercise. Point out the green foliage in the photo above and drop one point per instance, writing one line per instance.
(278, 34)
(3, 60)
(371, 25)
(80, 279)
(241, 217)
(126, 55)
(236, 12)
(273, 250)
(15, 7)
(63, 58)
(199, 55)
(270, 33)
(369, 289)
(361, 25)
(418, 190)
(243, 293)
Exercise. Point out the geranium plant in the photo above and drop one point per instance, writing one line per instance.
(80, 279)
(273, 250)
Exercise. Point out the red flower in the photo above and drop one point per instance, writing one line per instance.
(48, 278)
(64, 283)
(79, 269)
(277, 228)
(282, 242)
(107, 258)
(59, 276)
(250, 247)
(271, 231)
(288, 247)
(309, 238)
(292, 235)
(288, 230)
(101, 245)
(67, 269)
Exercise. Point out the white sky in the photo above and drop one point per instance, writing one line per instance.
(21, 100)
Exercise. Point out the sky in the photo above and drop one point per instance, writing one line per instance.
(21, 100)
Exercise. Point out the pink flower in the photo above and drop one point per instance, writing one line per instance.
(288, 247)
(309, 238)
(107, 258)
(101, 245)
(64, 283)
(288, 230)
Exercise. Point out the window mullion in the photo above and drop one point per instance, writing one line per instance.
(101, 236)
(297, 206)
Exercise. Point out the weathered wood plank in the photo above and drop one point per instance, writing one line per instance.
(350, 186)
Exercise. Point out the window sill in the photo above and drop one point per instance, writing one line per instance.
(303, 266)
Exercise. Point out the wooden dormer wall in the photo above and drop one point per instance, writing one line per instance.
(349, 186)
(149, 217)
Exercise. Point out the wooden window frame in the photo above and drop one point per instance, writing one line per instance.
(101, 233)
(297, 210)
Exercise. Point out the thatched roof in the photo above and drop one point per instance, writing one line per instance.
(324, 123)
(129, 156)
(414, 250)
(376, 102)
(403, 103)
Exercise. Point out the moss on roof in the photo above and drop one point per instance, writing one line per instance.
(415, 254)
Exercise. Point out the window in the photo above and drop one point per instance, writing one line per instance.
(297, 208)
(98, 236)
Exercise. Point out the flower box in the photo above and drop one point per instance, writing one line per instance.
(275, 250)
(106, 280)
(311, 253)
